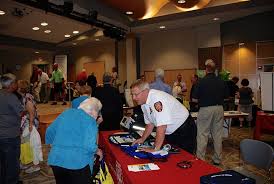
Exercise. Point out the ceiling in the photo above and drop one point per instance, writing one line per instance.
(148, 15)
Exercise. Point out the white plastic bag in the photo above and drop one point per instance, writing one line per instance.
(35, 142)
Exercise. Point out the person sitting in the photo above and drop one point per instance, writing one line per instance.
(73, 137)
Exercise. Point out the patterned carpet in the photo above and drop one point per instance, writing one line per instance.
(231, 156)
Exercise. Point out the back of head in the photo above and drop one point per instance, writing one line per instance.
(85, 90)
(7, 80)
(210, 66)
(159, 73)
(107, 78)
(140, 84)
(91, 104)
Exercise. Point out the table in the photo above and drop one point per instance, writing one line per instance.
(169, 173)
(264, 124)
(228, 115)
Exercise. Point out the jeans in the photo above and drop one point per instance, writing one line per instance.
(9, 160)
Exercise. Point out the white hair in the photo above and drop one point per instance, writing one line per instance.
(91, 104)
(159, 73)
(7, 79)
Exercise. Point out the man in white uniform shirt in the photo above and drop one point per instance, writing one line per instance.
(44, 80)
(171, 119)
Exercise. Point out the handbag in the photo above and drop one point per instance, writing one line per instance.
(26, 154)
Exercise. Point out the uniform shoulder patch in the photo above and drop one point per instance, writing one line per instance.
(158, 106)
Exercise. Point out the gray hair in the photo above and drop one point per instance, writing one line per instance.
(159, 73)
(7, 80)
(142, 85)
(107, 78)
(91, 104)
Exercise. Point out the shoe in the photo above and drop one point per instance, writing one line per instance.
(45, 102)
(32, 170)
(64, 103)
(53, 103)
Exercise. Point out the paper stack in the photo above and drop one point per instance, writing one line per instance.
(143, 167)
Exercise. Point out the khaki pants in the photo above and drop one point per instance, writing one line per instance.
(210, 121)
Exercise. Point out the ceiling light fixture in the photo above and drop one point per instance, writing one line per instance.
(47, 31)
(241, 43)
(97, 39)
(35, 28)
(74, 43)
(67, 35)
(2, 12)
(181, 1)
(129, 12)
(216, 18)
(75, 32)
(44, 24)
(162, 27)
(36, 52)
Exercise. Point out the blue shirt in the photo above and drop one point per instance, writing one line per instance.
(76, 102)
(73, 136)
(160, 85)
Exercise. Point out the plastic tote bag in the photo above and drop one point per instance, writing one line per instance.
(26, 154)
(35, 142)
(103, 176)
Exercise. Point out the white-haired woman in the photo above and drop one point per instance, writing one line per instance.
(73, 136)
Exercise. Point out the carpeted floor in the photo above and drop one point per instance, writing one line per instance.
(231, 156)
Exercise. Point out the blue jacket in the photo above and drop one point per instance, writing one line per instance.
(76, 102)
(73, 137)
(160, 85)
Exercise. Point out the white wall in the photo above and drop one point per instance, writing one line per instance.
(177, 49)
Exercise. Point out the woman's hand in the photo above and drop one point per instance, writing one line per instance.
(99, 153)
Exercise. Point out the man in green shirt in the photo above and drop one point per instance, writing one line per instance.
(58, 81)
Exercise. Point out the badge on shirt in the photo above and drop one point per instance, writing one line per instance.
(158, 106)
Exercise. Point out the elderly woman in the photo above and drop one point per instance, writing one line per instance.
(73, 138)
(30, 116)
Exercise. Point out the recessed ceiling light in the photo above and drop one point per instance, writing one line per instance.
(36, 52)
(97, 39)
(162, 27)
(47, 31)
(75, 32)
(216, 18)
(35, 28)
(241, 43)
(181, 1)
(2, 12)
(74, 43)
(129, 13)
(67, 35)
(44, 24)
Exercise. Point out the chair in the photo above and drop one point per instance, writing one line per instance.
(258, 154)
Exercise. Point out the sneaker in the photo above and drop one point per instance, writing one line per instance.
(54, 103)
(32, 170)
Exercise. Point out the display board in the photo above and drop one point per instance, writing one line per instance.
(267, 90)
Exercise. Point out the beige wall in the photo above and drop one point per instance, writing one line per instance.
(176, 49)
(12, 58)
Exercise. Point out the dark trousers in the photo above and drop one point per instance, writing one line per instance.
(185, 136)
(9, 160)
(68, 176)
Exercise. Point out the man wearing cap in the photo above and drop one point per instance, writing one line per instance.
(210, 94)
(171, 119)
(58, 80)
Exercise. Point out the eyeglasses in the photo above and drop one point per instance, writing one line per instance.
(136, 94)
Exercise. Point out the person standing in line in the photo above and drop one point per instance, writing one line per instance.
(159, 83)
(10, 121)
(92, 81)
(193, 105)
(210, 94)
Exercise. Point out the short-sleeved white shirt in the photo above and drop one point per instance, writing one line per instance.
(43, 78)
(163, 109)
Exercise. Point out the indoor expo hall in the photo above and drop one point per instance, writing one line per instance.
(136, 92)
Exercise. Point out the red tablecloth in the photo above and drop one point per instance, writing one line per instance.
(264, 124)
(168, 173)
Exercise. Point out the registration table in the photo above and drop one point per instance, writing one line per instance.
(168, 173)
(264, 124)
